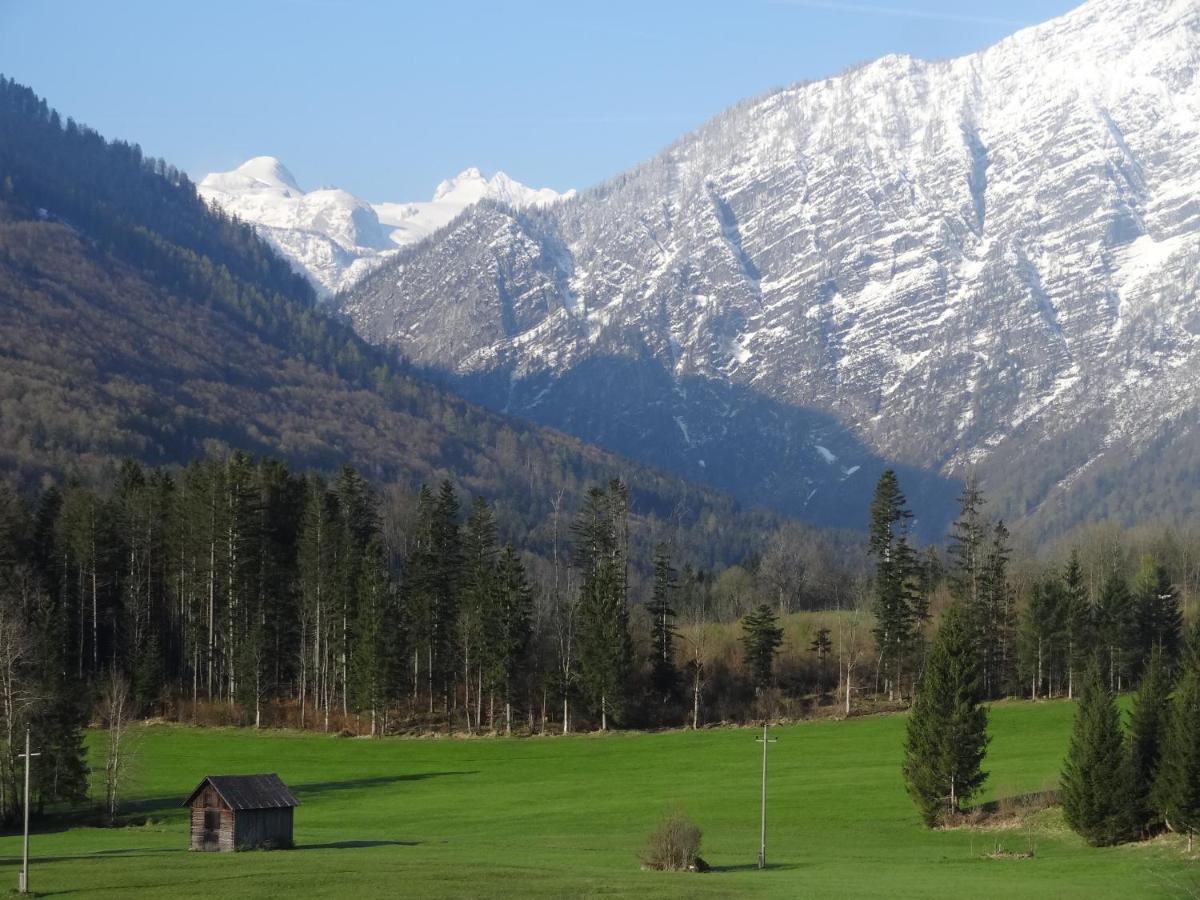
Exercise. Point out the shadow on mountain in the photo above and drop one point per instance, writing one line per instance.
(798, 461)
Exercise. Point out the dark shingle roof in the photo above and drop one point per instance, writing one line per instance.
(248, 791)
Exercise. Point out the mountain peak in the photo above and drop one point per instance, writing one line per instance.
(333, 236)
(468, 186)
(966, 264)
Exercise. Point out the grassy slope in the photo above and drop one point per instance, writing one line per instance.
(562, 817)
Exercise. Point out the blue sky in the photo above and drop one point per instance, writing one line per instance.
(387, 98)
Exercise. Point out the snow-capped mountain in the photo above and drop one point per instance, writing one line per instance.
(989, 264)
(336, 238)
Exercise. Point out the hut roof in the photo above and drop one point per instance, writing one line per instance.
(248, 791)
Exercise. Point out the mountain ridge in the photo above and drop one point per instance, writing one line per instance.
(985, 265)
(335, 238)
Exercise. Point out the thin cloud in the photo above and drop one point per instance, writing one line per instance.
(869, 9)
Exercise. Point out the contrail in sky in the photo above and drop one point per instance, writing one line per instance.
(867, 9)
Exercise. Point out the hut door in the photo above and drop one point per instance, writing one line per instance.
(212, 828)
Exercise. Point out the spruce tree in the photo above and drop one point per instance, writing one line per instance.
(663, 675)
(1176, 791)
(1095, 782)
(375, 636)
(761, 637)
(443, 584)
(1148, 727)
(601, 553)
(895, 605)
(996, 617)
(1077, 614)
(1115, 630)
(947, 728)
(1042, 635)
(968, 537)
(513, 630)
(1157, 618)
(478, 629)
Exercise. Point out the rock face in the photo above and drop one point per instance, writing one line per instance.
(986, 265)
(335, 238)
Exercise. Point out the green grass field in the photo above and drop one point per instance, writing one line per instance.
(562, 817)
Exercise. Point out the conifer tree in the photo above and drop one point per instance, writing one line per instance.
(1095, 782)
(376, 636)
(947, 728)
(512, 624)
(968, 538)
(1115, 630)
(1176, 791)
(1157, 618)
(315, 566)
(443, 585)
(1077, 614)
(601, 552)
(996, 617)
(1042, 635)
(896, 617)
(479, 630)
(761, 637)
(1148, 727)
(663, 675)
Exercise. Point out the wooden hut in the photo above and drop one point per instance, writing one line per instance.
(237, 812)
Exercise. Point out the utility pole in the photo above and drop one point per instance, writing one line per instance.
(23, 885)
(762, 847)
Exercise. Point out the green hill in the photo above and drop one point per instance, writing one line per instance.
(138, 322)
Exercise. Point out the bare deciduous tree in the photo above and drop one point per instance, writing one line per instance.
(116, 717)
(697, 637)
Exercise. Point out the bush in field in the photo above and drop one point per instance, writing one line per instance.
(674, 845)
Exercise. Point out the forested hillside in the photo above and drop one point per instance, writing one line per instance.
(138, 322)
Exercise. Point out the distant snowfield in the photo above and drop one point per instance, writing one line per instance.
(334, 237)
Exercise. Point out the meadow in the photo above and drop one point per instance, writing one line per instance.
(568, 816)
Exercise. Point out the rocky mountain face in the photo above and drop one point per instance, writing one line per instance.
(334, 237)
(988, 265)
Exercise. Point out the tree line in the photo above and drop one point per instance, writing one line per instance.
(236, 590)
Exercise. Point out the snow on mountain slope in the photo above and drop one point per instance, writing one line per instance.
(989, 264)
(335, 238)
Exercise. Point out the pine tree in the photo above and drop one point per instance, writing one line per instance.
(1157, 618)
(947, 728)
(1115, 630)
(895, 605)
(1176, 791)
(601, 552)
(1043, 632)
(315, 564)
(374, 641)
(996, 619)
(1148, 727)
(761, 637)
(663, 675)
(479, 631)
(447, 554)
(1077, 613)
(512, 624)
(967, 548)
(1095, 783)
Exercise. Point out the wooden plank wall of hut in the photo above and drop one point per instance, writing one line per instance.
(259, 827)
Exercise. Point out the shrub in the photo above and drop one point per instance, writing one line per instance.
(674, 845)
